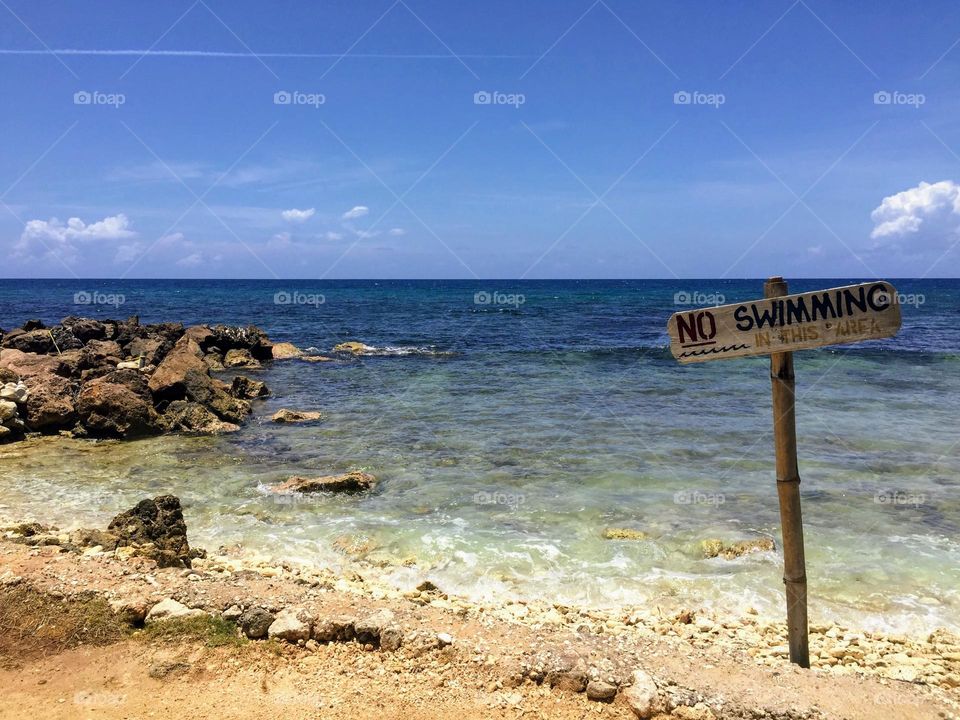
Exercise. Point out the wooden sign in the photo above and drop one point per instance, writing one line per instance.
(783, 324)
(776, 326)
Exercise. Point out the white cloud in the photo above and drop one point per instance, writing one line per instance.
(128, 253)
(357, 212)
(397, 232)
(333, 236)
(921, 218)
(192, 260)
(294, 215)
(53, 238)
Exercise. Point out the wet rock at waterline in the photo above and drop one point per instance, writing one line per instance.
(351, 482)
(157, 529)
(295, 416)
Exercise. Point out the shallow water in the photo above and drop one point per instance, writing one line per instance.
(508, 437)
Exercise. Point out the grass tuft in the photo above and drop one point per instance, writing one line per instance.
(211, 631)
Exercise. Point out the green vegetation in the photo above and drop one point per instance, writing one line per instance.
(211, 631)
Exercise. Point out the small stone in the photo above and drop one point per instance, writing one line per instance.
(601, 691)
(291, 624)
(295, 416)
(336, 629)
(232, 613)
(312, 645)
(369, 628)
(170, 609)
(256, 622)
(444, 639)
(642, 696)
(391, 638)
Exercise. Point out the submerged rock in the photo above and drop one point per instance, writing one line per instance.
(157, 530)
(624, 534)
(353, 347)
(295, 416)
(728, 551)
(193, 419)
(350, 482)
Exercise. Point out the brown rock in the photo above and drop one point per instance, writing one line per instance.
(169, 380)
(247, 389)
(193, 418)
(240, 357)
(117, 405)
(85, 329)
(157, 528)
(285, 351)
(351, 482)
(728, 551)
(34, 341)
(600, 691)
(50, 405)
(295, 416)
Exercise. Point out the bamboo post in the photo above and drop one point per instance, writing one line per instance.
(788, 491)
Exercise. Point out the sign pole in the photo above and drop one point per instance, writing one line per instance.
(788, 491)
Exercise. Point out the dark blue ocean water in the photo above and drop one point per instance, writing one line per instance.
(511, 423)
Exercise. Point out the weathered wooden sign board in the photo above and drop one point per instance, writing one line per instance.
(782, 324)
(776, 326)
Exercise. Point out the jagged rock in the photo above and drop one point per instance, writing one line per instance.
(157, 528)
(623, 534)
(256, 622)
(336, 629)
(85, 329)
(172, 376)
(391, 638)
(151, 349)
(214, 361)
(117, 405)
(33, 325)
(295, 416)
(728, 551)
(642, 696)
(50, 404)
(190, 417)
(351, 482)
(8, 376)
(240, 357)
(170, 609)
(232, 614)
(247, 389)
(33, 341)
(8, 410)
(292, 625)
(92, 537)
(64, 339)
(285, 351)
(30, 365)
(202, 335)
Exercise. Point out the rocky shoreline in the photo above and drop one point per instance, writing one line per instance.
(123, 379)
(570, 649)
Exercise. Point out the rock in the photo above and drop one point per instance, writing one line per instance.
(728, 551)
(132, 611)
(109, 407)
(285, 351)
(131, 364)
(336, 629)
(391, 638)
(151, 350)
(193, 418)
(32, 341)
(642, 695)
(256, 622)
(247, 389)
(601, 691)
(158, 528)
(91, 537)
(5, 433)
(8, 410)
(315, 358)
(170, 609)
(202, 335)
(172, 376)
(353, 347)
(64, 339)
(295, 416)
(85, 329)
(369, 628)
(444, 639)
(7, 376)
(351, 482)
(214, 361)
(292, 625)
(232, 613)
(420, 642)
(573, 680)
(623, 534)
(33, 325)
(239, 357)
(15, 392)
(50, 405)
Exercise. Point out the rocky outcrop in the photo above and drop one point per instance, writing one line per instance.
(156, 529)
(728, 551)
(124, 379)
(351, 482)
(353, 347)
(285, 351)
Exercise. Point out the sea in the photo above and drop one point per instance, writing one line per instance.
(511, 424)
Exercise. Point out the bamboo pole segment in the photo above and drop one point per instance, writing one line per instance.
(788, 491)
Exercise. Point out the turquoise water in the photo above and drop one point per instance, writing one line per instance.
(508, 436)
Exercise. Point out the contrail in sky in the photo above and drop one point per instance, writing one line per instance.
(219, 54)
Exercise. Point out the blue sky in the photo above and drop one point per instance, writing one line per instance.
(154, 144)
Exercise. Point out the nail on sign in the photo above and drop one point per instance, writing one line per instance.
(792, 322)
